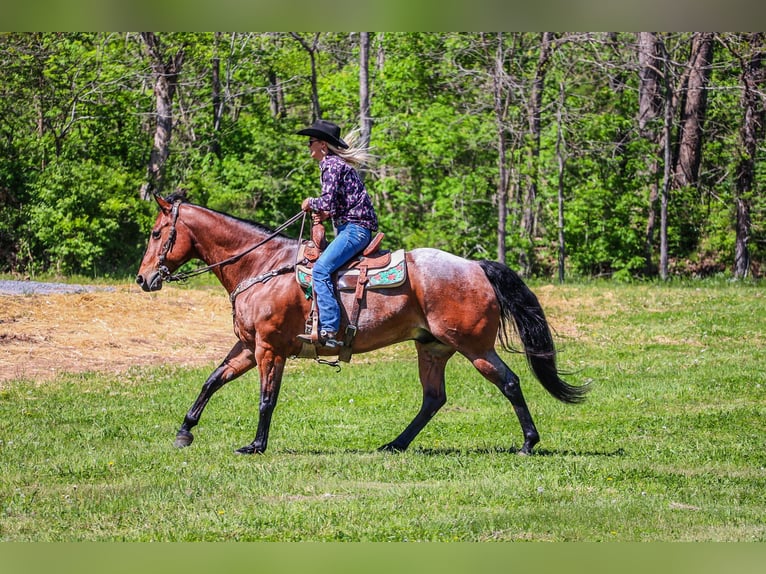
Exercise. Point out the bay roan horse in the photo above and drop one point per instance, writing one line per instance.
(447, 305)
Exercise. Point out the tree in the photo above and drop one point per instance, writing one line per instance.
(693, 108)
(312, 48)
(166, 68)
(501, 95)
(218, 107)
(534, 109)
(561, 161)
(364, 90)
(650, 106)
(667, 182)
(658, 92)
(752, 57)
(485, 67)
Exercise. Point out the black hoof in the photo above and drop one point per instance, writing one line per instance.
(392, 447)
(249, 449)
(183, 439)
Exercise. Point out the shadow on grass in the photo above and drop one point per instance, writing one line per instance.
(450, 451)
(515, 451)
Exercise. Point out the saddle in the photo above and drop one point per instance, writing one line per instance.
(374, 268)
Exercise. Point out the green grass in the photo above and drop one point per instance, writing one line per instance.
(668, 447)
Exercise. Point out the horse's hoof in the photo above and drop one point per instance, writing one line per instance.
(529, 443)
(249, 449)
(183, 439)
(391, 447)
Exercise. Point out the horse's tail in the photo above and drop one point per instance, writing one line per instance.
(517, 302)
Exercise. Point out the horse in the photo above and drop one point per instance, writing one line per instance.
(446, 305)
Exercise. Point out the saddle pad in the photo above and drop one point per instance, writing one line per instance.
(392, 275)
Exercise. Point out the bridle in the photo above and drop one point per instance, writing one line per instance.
(167, 247)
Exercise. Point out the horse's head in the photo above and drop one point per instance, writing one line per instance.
(167, 249)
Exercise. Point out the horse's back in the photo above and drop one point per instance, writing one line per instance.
(436, 269)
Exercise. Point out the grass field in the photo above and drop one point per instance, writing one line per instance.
(670, 445)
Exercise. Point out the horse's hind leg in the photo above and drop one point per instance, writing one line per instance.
(238, 361)
(497, 372)
(432, 360)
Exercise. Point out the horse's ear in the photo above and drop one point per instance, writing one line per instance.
(165, 206)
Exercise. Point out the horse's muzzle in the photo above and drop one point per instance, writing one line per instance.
(151, 283)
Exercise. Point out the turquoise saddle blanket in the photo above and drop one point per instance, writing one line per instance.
(391, 275)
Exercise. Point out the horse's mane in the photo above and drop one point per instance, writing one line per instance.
(181, 196)
(178, 195)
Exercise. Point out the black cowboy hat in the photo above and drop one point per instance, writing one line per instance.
(325, 131)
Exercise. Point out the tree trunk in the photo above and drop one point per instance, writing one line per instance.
(650, 106)
(500, 108)
(364, 90)
(650, 100)
(534, 108)
(276, 95)
(651, 221)
(667, 179)
(380, 55)
(694, 108)
(165, 71)
(312, 51)
(743, 230)
(215, 77)
(751, 132)
(561, 160)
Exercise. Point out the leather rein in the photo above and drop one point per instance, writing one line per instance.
(170, 241)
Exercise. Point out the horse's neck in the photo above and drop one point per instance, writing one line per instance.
(219, 238)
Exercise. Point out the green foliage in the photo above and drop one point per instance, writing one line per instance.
(94, 231)
(70, 102)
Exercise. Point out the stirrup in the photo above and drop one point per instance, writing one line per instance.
(326, 339)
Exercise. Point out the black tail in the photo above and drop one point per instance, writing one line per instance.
(517, 302)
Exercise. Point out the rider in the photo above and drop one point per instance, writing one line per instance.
(344, 198)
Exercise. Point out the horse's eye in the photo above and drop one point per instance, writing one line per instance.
(155, 234)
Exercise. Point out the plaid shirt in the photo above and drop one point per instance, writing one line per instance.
(344, 195)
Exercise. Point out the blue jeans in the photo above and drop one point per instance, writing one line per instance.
(350, 240)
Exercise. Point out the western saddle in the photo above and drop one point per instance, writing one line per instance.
(374, 268)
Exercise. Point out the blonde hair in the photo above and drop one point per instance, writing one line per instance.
(356, 154)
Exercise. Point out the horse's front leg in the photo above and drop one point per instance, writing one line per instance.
(238, 361)
(271, 365)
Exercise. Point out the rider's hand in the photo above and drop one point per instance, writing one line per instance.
(305, 205)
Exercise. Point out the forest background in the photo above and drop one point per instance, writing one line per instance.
(562, 154)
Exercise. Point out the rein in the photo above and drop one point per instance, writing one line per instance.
(168, 245)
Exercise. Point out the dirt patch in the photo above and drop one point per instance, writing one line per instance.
(44, 335)
(50, 329)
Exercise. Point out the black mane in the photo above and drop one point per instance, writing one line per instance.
(178, 195)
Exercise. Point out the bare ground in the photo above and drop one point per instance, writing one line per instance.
(47, 331)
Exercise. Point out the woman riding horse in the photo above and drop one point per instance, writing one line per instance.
(256, 266)
(345, 199)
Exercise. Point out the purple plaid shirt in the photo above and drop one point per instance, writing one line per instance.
(344, 195)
